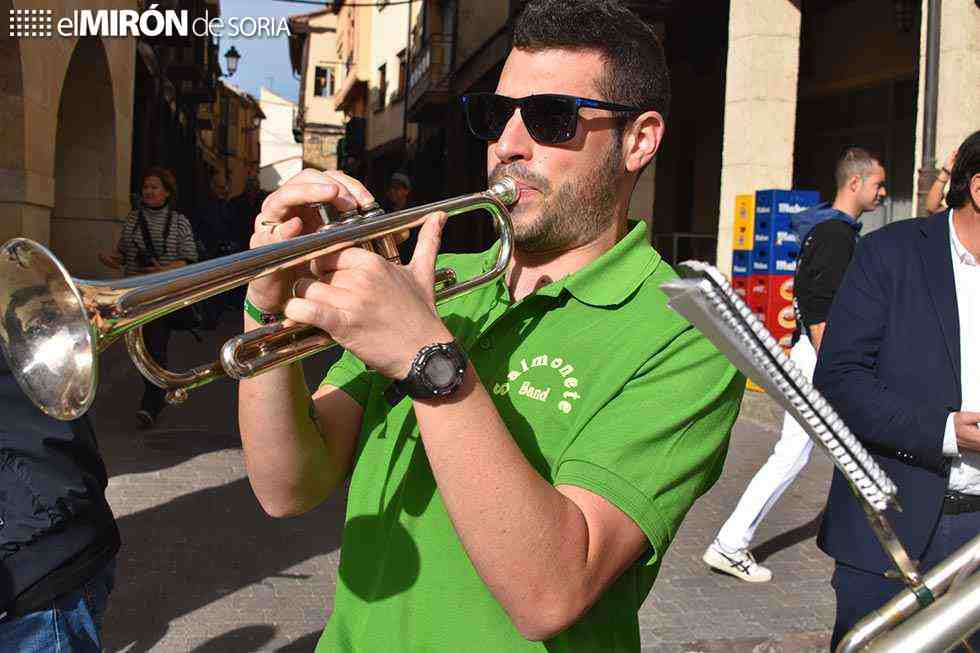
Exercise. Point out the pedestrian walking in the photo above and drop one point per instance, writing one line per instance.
(520, 458)
(828, 233)
(155, 238)
(58, 537)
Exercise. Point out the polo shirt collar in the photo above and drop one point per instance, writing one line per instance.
(609, 279)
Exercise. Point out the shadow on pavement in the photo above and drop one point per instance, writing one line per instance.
(788, 539)
(203, 546)
(254, 638)
(206, 422)
(188, 553)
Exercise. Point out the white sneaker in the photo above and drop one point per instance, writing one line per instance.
(740, 564)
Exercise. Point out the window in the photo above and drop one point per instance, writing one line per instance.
(323, 82)
(381, 97)
(402, 74)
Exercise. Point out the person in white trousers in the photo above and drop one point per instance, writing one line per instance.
(788, 458)
(828, 235)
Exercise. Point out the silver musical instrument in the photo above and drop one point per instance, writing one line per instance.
(946, 601)
(53, 326)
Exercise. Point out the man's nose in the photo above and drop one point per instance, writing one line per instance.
(515, 143)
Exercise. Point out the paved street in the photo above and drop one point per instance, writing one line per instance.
(203, 569)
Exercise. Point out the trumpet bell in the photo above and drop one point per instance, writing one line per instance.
(45, 331)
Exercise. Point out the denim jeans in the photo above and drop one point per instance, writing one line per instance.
(72, 623)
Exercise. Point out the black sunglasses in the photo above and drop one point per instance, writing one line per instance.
(549, 118)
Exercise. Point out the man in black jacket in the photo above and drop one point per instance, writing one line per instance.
(58, 537)
(900, 367)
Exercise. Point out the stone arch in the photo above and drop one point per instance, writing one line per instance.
(85, 159)
(12, 154)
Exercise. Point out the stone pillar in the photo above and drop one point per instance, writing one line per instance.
(958, 104)
(760, 106)
(958, 113)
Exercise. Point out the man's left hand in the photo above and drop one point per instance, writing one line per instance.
(382, 312)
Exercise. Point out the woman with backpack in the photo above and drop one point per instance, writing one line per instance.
(155, 237)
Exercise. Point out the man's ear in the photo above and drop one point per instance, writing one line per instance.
(975, 189)
(642, 139)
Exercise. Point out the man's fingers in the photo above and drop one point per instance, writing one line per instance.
(322, 291)
(970, 416)
(427, 248)
(353, 187)
(317, 313)
(352, 257)
(283, 203)
(270, 231)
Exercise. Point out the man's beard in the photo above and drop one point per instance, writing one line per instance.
(573, 214)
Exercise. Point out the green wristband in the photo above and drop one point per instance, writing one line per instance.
(261, 316)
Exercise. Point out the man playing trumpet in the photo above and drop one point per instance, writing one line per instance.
(521, 456)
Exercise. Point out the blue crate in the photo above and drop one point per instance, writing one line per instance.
(741, 262)
(774, 210)
(784, 259)
(760, 259)
(775, 259)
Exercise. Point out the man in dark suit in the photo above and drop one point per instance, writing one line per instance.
(898, 365)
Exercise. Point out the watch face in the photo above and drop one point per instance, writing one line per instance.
(439, 370)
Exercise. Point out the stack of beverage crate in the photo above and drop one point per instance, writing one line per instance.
(742, 244)
(763, 267)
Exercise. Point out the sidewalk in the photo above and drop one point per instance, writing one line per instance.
(203, 569)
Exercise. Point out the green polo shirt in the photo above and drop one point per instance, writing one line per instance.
(601, 385)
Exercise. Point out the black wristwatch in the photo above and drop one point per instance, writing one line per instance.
(436, 372)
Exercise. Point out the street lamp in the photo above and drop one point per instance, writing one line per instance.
(231, 59)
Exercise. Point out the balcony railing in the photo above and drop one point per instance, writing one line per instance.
(430, 71)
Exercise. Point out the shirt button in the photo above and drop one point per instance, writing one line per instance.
(485, 344)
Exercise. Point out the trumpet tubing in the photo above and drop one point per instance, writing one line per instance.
(53, 326)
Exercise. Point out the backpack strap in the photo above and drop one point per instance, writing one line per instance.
(148, 240)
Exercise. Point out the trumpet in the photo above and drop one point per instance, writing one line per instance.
(53, 326)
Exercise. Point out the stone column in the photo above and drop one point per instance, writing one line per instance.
(958, 113)
(958, 103)
(760, 106)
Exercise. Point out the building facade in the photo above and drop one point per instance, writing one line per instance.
(66, 123)
(281, 155)
(766, 94)
(313, 50)
(81, 117)
(230, 151)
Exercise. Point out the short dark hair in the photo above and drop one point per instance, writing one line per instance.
(854, 161)
(166, 178)
(636, 68)
(967, 165)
